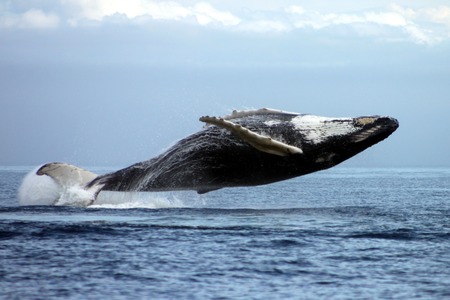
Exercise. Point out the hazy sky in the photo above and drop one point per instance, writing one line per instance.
(108, 82)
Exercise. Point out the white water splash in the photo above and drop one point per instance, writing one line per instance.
(75, 196)
(43, 190)
(155, 200)
(38, 190)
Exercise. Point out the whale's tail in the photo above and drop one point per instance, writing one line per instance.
(72, 181)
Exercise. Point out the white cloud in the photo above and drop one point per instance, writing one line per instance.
(422, 36)
(206, 14)
(265, 26)
(419, 25)
(439, 15)
(426, 25)
(386, 18)
(203, 12)
(33, 18)
(317, 20)
(98, 9)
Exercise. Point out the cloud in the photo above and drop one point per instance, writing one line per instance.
(204, 13)
(264, 26)
(98, 9)
(425, 25)
(419, 25)
(33, 18)
(440, 15)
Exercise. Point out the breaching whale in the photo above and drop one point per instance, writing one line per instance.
(245, 148)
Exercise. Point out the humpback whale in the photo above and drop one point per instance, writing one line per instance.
(245, 148)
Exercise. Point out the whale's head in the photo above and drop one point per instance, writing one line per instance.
(305, 143)
(329, 141)
(265, 146)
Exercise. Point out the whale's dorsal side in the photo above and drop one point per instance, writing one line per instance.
(258, 141)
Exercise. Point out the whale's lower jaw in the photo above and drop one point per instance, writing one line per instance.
(244, 149)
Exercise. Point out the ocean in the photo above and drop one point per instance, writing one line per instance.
(343, 233)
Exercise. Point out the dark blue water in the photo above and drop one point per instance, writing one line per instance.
(340, 234)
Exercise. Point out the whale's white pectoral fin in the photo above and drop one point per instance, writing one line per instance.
(260, 142)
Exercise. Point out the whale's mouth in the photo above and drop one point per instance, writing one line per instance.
(377, 128)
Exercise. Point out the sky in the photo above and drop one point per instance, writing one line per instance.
(111, 83)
